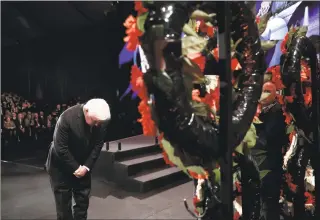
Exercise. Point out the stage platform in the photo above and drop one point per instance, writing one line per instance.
(137, 166)
(26, 194)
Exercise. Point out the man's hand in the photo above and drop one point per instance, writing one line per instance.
(80, 172)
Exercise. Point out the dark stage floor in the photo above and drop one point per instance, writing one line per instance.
(26, 194)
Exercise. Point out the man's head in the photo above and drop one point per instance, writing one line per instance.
(96, 111)
(269, 93)
(20, 115)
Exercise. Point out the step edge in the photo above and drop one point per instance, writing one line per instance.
(128, 150)
(152, 173)
(158, 156)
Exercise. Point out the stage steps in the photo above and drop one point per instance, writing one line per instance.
(138, 166)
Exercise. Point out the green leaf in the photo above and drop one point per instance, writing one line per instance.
(251, 137)
(189, 31)
(200, 109)
(302, 31)
(256, 120)
(263, 173)
(141, 20)
(217, 175)
(193, 45)
(201, 15)
(263, 22)
(146, 2)
(260, 159)
(290, 129)
(191, 69)
(239, 148)
(256, 152)
(268, 44)
(264, 95)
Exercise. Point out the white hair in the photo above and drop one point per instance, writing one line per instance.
(99, 109)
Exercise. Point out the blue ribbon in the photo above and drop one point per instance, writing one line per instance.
(125, 55)
(129, 89)
(135, 54)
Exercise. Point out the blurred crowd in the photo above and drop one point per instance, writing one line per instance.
(28, 125)
(23, 121)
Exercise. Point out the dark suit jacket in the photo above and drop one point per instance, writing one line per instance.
(272, 137)
(19, 124)
(74, 143)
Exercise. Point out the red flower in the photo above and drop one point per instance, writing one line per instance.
(308, 97)
(258, 112)
(195, 202)
(196, 95)
(197, 176)
(137, 83)
(238, 186)
(148, 125)
(198, 59)
(204, 28)
(310, 199)
(236, 216)
(138, 7)
(215, 53)
(276, 77)
(212, 98)
(289, 99)
(133, 33)
(305, 71)
(293, 133)
(291, 186)
(284, 44)
(257, 19)
(288, 118)
(280, 99)
(235, 65)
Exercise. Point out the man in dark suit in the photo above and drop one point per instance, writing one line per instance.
(272, 138)
(77, 141)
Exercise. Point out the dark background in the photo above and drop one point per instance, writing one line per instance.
(55, 51)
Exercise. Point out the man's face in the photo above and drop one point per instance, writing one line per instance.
(91, 120)
(41, 113)
(268, 94)
(14, 115)
(58, 106)
(20, 115)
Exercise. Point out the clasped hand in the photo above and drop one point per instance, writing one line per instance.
(80, 172)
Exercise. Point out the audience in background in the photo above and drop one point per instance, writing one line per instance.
(28, 125)
(22, 121)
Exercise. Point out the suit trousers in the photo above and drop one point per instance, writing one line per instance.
(65, 187)
(270, 195)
